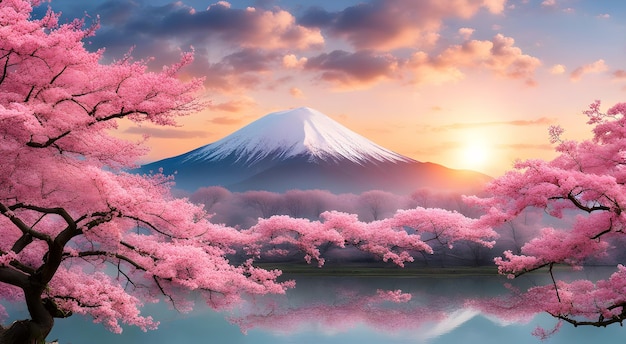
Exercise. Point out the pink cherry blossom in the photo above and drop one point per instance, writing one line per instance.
(585, 183)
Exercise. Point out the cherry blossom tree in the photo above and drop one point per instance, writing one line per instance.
(69, 212)
(375, 204)
(79, 235)
(387, 239)
(585, 183)
(266, 203)
(209, 196)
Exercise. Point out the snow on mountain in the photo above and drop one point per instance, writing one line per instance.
(295, 133)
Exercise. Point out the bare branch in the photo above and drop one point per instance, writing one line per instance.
(556, 288)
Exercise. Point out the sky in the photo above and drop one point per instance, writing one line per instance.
(469, 84)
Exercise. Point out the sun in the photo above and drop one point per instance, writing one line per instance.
(475, 155)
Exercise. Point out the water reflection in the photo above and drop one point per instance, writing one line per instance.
(327, 309)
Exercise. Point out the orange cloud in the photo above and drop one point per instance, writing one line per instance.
(232, 106)
(278, 29)
(466, 33)
(296, 92)
(516, 123)
(557, 69)
(619, 74)
(498, 55)
(594, 67)
(292, 61)
(223, 120)
(526, 146)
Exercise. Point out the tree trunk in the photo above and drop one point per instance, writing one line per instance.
(24, 332)
(31, 331)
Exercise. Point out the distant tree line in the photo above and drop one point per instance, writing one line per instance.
(244, 209)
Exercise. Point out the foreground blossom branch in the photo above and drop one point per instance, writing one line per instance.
(584, 183)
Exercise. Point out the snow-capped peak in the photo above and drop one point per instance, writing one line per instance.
(296, 132)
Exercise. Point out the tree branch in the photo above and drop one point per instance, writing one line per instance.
(6, 66)
(58, 75)
(13, 277)
(556, 288)
(48, 143)
(583, 207)
(108, 254)
(8, 212)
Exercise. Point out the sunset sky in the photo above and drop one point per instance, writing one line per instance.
(464, 83)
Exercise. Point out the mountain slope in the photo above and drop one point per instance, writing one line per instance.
(304, 149)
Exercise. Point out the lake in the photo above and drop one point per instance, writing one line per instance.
(352, 309)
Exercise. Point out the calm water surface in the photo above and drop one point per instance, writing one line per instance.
(348, 310)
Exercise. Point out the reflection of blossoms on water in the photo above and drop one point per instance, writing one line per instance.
(590, 300)
(425, 307)
(442, 309)
(385, 310)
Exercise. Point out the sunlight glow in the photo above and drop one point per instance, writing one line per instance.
(475, 155)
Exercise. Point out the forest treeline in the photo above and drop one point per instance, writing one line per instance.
(244, 209)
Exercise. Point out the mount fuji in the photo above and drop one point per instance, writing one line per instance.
(304, 149)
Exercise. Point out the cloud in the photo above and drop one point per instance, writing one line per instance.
(236, 72)
(498, 55)
(223, 120)
(455, 145)
(116, 12)
(353, 70)
(167, 133)
(386, 25)
(604, 16)
(466, 33)
(619, 74)
(296, 92)
(250, 60)
(549, 3)
(232, 106)
(292, 61)
(174, 25)
(594, 67)
(557, 69)
(438, 148)
(238, 49)
(526, 146)
(249, 27)
(545, 121)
